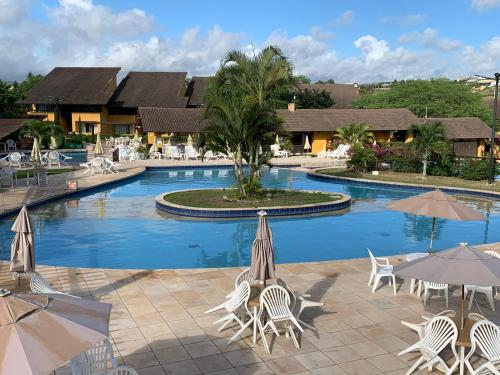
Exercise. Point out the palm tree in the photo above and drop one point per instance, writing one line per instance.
(260, 78)
(355, 133)
(240, 128)
(430, 139)
(42, 130)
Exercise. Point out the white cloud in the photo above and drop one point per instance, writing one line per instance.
(344, 19)
(429, 38)
(12, 11)
(128, 39)
(485, 4)
(405, 21)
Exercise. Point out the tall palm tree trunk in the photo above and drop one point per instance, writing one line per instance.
(238, 171)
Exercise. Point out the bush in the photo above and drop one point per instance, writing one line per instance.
(362, 159)
(475, 170)
(402, 158)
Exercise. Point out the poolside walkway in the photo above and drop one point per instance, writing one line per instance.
(158, 323)
(12, 199)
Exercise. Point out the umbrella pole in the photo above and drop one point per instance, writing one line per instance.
(462, 307)
(432, 235)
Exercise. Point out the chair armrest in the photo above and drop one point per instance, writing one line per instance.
(383, 259)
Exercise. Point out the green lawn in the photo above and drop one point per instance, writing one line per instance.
(414, 178)
(227, 198)
(22, 174)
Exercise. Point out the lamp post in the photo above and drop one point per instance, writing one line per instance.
(491, 176)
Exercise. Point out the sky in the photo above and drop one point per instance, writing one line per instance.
(345, 40)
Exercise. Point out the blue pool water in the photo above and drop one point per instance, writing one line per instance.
(119, 227)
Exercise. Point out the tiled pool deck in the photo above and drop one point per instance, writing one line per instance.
(158, 323)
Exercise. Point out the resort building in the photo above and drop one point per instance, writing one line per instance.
(89, 101)
(319, 125)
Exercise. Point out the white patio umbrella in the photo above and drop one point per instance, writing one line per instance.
(136, 136)
(154, 147)
(277, 139)
(307, 145)
(190, 140)
(22, 250)
(53, 143)
(98, 150)
(262, 266)
(36, 155)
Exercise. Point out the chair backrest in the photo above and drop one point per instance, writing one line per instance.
(434, 285)
(15, 159)
(476, 317)
(276, 300)
(11, 144)
(240, 296)
(53, 156)
(439, 333)
(373, 260)
(96, 360)
(486, 335)
(244, 276)
(97, 163)
(346, 149)
(38, 284)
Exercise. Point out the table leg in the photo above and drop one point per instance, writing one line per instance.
(255, 324)
(462, 359)
(27, 178)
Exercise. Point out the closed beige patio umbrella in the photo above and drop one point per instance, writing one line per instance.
(436, 204)
(40, 333)
(98, 150)
(307, 145)
(461, 265)
(189, 140)
(277, 139)
(136, 136)
(154, 146)
(53, 143)
(36, 155)
(22, 250)
(262, 266)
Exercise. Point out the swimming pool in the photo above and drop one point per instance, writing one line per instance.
(119, 226)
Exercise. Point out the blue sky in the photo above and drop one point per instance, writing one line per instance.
(349, 41)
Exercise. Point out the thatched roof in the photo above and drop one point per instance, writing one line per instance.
(462, 127)
(9, 126)
(84, 86)
(151, 89)
(171, 120)
(196, 91)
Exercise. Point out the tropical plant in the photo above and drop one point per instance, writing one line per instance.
(430, 139)
(362, 159)
(476, 170)
(243, 129)
(259, 78)
(12, 92)
(311, 99)
(355, 133)
(43, 130)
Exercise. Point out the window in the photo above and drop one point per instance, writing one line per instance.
(87, 127)
(123, 129)
(45, 107)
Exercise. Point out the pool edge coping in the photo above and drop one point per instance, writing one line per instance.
(402, 185)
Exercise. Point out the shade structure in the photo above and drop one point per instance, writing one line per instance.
(277, 139)
(436, 204)
(40, 333)
(262, 266)
(154, 146)
(98, 150)
(53, 143)
(461, 265)
(36, 155)
(307, 145)
(190, 140)
(22, 250)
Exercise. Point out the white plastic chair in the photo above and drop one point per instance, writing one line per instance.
(244, 276)
(380, 271)
(485, 336)
(236, 306)
(476, 317)
(190, 153)
(496, 255)
(440, 333)
(10, 145)
(39, 285)
(275, 302)
(53, 159)
(437, 287)
(98, 165)
(111, 166)
(7, 176)
(123, 370)
(86, 165)
(209, 155)
(97, 360)
(15, 160)
(175, 153)
(419, 328)
(486, 290)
